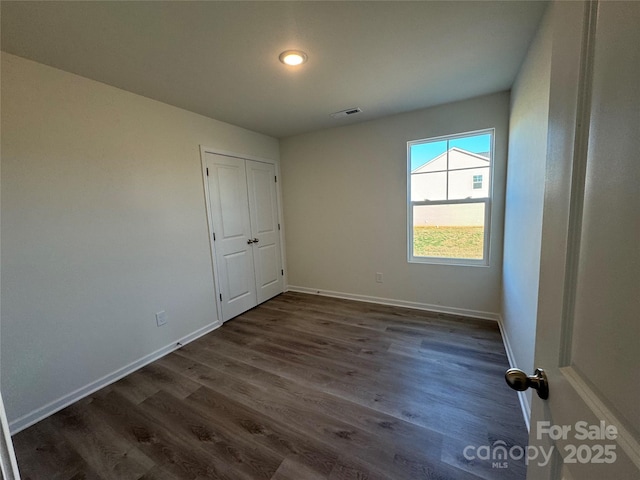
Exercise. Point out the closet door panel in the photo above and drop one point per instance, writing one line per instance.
(229, 208)
(263, 205)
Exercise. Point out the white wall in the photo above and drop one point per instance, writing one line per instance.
(103, 224)
(345, 209)
(524, 201)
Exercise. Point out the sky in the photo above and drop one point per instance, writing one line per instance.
(424, 152)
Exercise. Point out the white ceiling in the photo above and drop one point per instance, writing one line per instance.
(220, 59)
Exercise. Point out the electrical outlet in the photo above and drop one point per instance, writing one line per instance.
(379, 277)
(161, 318)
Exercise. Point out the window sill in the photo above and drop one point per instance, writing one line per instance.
(456, 262)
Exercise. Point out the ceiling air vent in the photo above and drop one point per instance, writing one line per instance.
(347, 112)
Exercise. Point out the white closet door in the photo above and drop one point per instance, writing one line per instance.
(263, 205)
(232, 230)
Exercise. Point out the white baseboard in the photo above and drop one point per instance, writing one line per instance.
(524, 401)
(45, 411)
(397, 303)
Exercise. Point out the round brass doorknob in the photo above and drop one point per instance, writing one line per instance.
(518, 380)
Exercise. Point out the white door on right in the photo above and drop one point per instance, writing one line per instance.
(265, 228)
(588, 332)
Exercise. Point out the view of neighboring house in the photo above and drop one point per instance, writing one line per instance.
(453, 175)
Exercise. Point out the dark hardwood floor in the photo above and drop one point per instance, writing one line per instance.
(302, 387)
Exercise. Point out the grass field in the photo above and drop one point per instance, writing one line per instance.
(448, 242)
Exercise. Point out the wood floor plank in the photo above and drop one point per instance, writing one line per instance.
(292, 470)
(302, 387)
(43, 452)
(159, 443)
(361, 311)
(390, 368)
(376, 370)
(271, 434)
(99, 445)
(189, 425)
(159, 472)
(166, 380)
(380, 321)
(401, 405)
(135, 387)
(394, 430)
(289, 405)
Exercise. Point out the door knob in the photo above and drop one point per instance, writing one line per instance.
(518, 380)
(255, 240)
(249, 241)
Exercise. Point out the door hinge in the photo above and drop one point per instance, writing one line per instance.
(207, 172)
(278, 226)
(282, 272)
(214, 236)
(276, 177)
(220, 297)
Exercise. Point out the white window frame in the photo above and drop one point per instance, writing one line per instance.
(484, 262)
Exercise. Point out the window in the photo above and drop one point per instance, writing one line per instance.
(449, 198)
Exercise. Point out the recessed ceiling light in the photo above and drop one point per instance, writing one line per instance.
(293, 57)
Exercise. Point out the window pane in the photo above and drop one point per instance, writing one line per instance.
(428, 157)
(449, 231)
(428, 180)
(479, 145)
(466, 184)
(428, 186)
